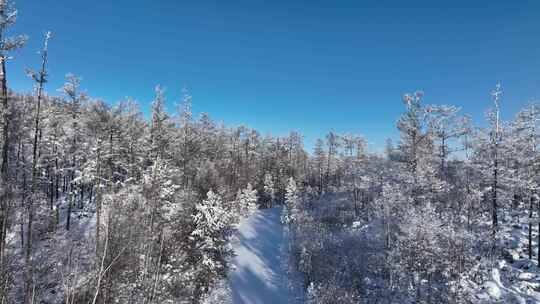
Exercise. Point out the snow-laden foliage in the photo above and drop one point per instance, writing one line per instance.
(290, 210)
(211, 231)
(269, 190)
(212, 228)
(246, 201)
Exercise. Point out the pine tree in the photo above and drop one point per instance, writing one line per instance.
(495, 142)
(269, 190)
(447, 127)
(524, 160)
(188, 139)
(246, 201)
(319, 159)
(160, 128)
(40, 78)
(415, 145)
(71, 90)
(292, 201)
(212, 226)
(333, 143)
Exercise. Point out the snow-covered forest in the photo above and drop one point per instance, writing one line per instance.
(102, 205)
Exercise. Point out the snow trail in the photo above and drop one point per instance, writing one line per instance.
(257, 275)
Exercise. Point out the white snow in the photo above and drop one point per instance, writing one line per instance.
(257, 275)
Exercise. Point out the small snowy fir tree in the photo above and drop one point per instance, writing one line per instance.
(160, 190)
(269, 191)
(212, 229)
(311, 294)
(246, 201)
(290, 211)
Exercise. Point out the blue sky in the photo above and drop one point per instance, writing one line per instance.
(309, 66)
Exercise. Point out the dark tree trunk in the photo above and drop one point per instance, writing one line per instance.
(29, 279)
(494, 188)
(4, 177)
(530, 226)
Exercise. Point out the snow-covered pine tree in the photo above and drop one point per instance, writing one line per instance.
(187, 146)
(160, 190)
(40, 78)
(71, 89)
(447, 126)
(496, 137)
(523, 160)
(246, 201)
(269, 190)
(333, 143)
(319, 161)
(292, 201)
(389, 207)
(416, 147)
(353, 158)
(212, 227)
(160, 132)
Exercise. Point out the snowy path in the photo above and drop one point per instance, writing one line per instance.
(257, 276)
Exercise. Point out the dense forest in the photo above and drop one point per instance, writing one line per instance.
(101, 205)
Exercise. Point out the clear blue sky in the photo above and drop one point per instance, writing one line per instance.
(309, 66)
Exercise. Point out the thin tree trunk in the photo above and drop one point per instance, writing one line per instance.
(98, 197)
(70, 204)
(530, 227)
(28, 253)
(538, 243)
(4, 176)
(494, 188)
(158, 270)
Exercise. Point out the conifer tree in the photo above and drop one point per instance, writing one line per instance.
(211, 231)
(40, 78)
(8, 16)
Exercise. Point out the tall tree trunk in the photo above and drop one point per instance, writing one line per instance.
(530, 226)
(98, 198)
(70, 205)
(496, 98)
(494, 190)
(4, 175)
(538, 243)
(40, 79)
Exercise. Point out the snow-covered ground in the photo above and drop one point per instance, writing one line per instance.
(516, 278)
(257, 275)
